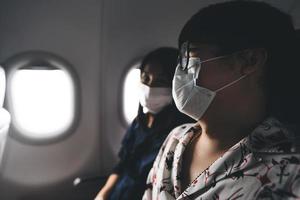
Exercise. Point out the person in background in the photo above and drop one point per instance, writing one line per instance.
(237, 76)
(157, 116)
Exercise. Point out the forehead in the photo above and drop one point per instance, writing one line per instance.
(203, 47)
(154, 68)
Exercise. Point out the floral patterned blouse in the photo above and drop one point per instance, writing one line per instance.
(263, 165)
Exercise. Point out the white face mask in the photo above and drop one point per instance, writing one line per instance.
(154, 99)
(191, 99)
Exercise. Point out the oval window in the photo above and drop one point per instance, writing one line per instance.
(131, 94)
(2, 86)
(42, 96)
(42, 102)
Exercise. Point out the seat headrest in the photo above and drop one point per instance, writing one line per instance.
(2, 86)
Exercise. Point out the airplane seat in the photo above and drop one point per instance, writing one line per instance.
(4, 114)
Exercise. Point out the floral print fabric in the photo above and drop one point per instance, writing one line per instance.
(264, 165)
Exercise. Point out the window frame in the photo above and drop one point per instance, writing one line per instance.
(133, 65)
(27, 60)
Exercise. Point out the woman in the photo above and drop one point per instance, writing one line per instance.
(157, 116)
(237, 76)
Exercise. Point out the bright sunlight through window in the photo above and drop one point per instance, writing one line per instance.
(131, 94)
(2, 85)
(42, 102)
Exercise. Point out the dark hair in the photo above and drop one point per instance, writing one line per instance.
(238, 25)
(166, 56)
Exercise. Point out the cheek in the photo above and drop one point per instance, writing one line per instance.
(214, 79)
(210, 78)
(204, 81)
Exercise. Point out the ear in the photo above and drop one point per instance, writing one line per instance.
(252, 60)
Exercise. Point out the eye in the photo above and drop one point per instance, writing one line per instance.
(145, 78)
(161, 82)
(194, 52)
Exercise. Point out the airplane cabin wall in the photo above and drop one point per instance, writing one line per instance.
(101, 39)
(69, 29)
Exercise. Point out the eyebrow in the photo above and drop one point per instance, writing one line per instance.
(157, 74)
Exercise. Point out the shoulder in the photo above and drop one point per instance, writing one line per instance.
(283, 176)
(130, 131)
(273, 136)
(179, 131)
(174, 136)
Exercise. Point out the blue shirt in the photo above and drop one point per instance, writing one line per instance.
(139, 149)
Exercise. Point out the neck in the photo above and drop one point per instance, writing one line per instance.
(219, 135)
(224, 126)
(149, 119)
(216, 138)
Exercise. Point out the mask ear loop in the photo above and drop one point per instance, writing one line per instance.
(212, 59)
(233, 82)
(208, 60)
(229, 84)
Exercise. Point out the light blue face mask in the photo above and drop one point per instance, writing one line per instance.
(191, 99)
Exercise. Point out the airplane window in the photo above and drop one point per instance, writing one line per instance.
(42, 96)
(42, 102)
(131, 94)
(2, 86)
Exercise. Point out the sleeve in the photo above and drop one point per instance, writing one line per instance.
(125, 149)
